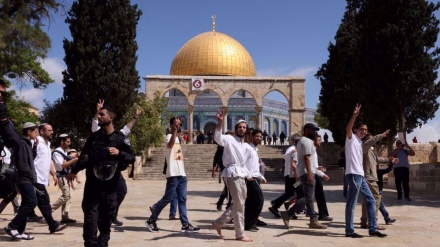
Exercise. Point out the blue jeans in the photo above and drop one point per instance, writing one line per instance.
(173, 206)
(356, 184)
(175, 185)
(383, 210)
(309, 195)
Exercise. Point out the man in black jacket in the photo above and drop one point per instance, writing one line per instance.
(106, 153)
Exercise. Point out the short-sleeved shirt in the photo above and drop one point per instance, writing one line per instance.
(305, 146)
(289, 156)
(174, 158)
(42, 161)
(354, 156)
(402, 155)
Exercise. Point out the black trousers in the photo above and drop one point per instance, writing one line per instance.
(253, 204)
(401, 175)
(289, 191)
(320, 197)
(99, 205)
(121, 192)
(44, 206)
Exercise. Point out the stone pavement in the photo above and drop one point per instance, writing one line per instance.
(417, 221)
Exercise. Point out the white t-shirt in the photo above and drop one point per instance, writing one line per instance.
(353, 156)
(42, 161)
(304, 147)
(58, 159)
(174, 158)
(289, 156)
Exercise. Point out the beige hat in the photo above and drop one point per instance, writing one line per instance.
(295, 137)
(28, 125)
(71, 150)
(63, 135)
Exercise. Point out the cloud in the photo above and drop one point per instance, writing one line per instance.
(429, 132)
(55, 67)
(303, 72)
(34, 96)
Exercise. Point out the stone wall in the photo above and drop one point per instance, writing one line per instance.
(424, 169)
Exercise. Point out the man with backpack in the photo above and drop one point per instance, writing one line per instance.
(63, 164)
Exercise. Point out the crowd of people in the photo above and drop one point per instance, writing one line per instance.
(107, 152)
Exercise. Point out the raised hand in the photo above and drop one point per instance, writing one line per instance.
(357, 110)
(138, 111)
(386, 133)
(100, 104)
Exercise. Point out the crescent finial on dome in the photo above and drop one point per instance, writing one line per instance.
(213, 22)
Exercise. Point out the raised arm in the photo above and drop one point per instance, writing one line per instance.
(133, 120)
(349, 128)
(99, 105)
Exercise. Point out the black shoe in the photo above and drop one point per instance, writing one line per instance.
(275, 212)
(219, 207)
(152, 226)
(34, 218)
(261, 223)
(117, 222)
(390, 221)
(408, 199)
(378, 234)
(399, 198)
(252, 229)
(59, 228)
(66, 219)
(189, 228)
(354, 235)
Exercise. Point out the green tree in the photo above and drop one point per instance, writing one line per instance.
(100, 59)
(22, 41)
(148, 130)
(384, 58)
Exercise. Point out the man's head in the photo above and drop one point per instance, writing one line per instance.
(64, 140)
(257, 137)
(309, 130)
(106, 116)
(295, 138)
(175, 123)
(317, 141)
(241, 128)
(30, 130)
(399, 144)
(46, 132)
(361, 130)
(367, 137)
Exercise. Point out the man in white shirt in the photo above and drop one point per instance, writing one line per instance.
(306, 170)
(255, 199)
(234, 160)
(63, 163)
(354, 174)
(43, 168)
(176, 181)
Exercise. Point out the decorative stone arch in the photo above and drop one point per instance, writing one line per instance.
(225, 86)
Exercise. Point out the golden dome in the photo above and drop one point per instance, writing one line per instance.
(213, 53)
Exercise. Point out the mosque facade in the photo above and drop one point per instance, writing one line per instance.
(213, 71)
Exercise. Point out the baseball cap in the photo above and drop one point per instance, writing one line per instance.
(310, 126)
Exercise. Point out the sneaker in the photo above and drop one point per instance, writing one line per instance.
(353, 235)
(12, 232)
(377, 234)
(326, 218)
(275, 212)
(59, 228)
(189, 228)
(173, 218)
(117, 222)
(252, 229)
(316, 225)
(151, 226)
(390, 221)
(286, 218)
(25, 236)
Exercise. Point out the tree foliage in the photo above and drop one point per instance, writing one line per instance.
(23, 43)
(148, 131)
(100, 59)
(384, 57)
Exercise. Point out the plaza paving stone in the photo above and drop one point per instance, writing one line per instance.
(417, 221)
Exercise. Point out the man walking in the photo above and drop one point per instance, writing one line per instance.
(63, 164)
(176, 181)
(106, 153)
